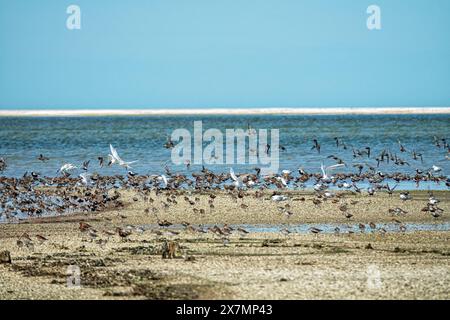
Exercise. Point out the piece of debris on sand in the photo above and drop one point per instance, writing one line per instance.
(5, 257)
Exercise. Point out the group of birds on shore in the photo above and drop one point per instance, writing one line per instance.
(169, 198)
(35, 195)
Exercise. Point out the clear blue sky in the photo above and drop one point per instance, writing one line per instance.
(222, 53)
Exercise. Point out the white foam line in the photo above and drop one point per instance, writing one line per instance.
(225, 111)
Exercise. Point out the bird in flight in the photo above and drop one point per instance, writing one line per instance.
(316, 145)
(237, 183)
(326, 169)
(114, 158)
(66, 168)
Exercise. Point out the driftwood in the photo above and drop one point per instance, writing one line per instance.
(170, 249)
(5, 257)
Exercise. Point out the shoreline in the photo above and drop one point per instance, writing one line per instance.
(225, 111)
(228, 210)
(211, 265)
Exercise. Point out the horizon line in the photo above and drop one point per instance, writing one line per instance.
(226, 111)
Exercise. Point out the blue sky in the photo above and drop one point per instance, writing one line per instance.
(223, 53)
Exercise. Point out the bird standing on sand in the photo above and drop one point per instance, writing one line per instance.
(362, 227)
(123, 233)
(25, 240)
(279, 198)
(405, 196)
(41, 239)
(242, 231)
(86, 228)
(433, 201)
(436, 213)
(397, 211)
(164, 223)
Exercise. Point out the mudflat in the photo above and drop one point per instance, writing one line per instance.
(377, 253)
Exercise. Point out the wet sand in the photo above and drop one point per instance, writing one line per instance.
(368, 265)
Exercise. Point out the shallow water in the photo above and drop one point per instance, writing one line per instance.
(345, 228)
(327, 228)
(76, 139)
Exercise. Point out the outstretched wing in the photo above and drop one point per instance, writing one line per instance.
(233, 176)
(336, 166)
(165, 181)
(85, 177)
(114, 153)
(323, 169)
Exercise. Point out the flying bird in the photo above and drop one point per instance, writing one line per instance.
(316, 145)
(237, 183)
(114, 158)
(162, 178)
(66, 168)
(326, 169)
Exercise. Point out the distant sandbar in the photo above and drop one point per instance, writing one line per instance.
(225, 111)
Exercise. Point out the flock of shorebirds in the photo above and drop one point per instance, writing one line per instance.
(33, 195)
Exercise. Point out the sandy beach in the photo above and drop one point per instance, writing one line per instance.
(369, 264)
(224, 111)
